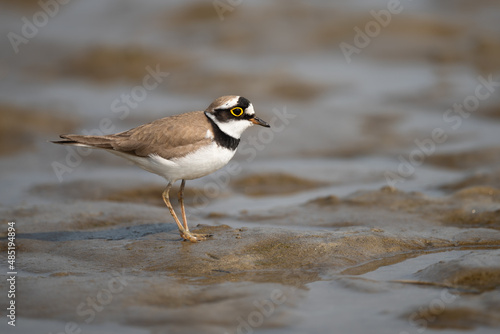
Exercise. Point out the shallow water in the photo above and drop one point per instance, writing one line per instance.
(371, 205)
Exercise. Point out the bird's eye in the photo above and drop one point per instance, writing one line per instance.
(237, 111)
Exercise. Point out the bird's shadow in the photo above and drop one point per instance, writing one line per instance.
(127, 232)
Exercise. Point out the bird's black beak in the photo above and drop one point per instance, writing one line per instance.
(258, 121)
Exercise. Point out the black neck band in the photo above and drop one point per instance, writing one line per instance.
(223, 139)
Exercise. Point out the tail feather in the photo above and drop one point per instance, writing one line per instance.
(89, 141)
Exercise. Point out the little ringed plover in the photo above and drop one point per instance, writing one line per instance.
(181, 147)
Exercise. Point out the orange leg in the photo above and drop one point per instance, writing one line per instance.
(181, 202)
(183, 229)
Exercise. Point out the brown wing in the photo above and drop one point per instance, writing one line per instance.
(169, 137)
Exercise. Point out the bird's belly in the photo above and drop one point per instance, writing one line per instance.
(202, 162)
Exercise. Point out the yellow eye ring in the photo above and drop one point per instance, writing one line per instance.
(237, 111)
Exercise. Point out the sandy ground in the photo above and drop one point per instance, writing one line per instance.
(372, 205)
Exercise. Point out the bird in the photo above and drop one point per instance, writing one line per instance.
(182, 147)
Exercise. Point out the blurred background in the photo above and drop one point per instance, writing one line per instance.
(361, 95)
(364, 79)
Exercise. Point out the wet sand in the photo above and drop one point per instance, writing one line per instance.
(349, 215)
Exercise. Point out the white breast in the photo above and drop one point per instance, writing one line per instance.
(202, 162)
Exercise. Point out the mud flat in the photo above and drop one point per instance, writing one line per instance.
(112, 262)
(309, 236)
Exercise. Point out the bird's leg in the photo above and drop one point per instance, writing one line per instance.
(181, 202)
(184, 219)
(185, 234)
(183, 211)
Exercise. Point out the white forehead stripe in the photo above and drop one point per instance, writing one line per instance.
(250, 110)
(231, 103)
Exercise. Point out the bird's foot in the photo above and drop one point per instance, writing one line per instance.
(194, 237)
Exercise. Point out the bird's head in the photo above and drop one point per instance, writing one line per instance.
(233, 115)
